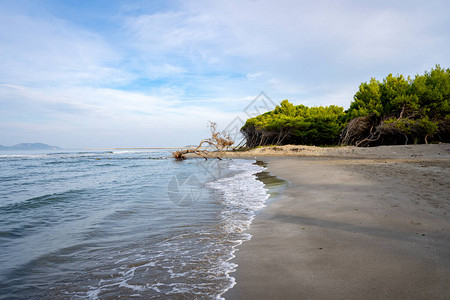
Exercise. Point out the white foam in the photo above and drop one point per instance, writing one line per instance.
(203, 256)
(243, 195)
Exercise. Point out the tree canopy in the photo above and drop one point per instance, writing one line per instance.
(289, 124)
(397, 110)
(400, 110)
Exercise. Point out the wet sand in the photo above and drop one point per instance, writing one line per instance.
(349, 227)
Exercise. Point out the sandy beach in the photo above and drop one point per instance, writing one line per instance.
(353, 223)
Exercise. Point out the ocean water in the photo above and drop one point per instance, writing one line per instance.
(122, 224)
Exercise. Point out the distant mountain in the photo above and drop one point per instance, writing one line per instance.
(29, 146)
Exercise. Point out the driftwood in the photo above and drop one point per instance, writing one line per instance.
(218, 142)
(180, 155)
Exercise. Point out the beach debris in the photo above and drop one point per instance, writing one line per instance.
(217, 143)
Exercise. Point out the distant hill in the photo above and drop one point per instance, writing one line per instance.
(29, 146)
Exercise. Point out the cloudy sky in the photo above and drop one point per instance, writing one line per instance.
(152, 73)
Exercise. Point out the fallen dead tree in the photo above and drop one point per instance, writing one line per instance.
(371, 131)
(217, 143)
(357, 130)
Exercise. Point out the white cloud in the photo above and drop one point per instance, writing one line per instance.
(254, 76)
(295, 44)
(63, 111)
(52, 52)
(163, 71)
(171, 30)
(157, 71)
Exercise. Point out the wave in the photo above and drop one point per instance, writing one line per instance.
(155, 154)
(36, 202)
(195, 260)
(141, 242)
(242, 196)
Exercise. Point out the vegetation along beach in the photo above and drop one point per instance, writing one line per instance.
(224, 149)
(354, 222)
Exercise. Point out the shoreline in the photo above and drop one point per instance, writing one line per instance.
(351, 227)
(434, 151)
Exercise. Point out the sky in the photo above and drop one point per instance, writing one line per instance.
(110, 73)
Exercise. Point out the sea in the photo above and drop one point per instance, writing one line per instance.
(85, 224)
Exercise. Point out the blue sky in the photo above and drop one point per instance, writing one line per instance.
(152, 73)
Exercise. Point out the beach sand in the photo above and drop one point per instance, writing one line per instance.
(354, 223)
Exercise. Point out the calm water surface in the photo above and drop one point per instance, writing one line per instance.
(110, 224)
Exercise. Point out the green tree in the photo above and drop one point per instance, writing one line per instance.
(401, 110)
